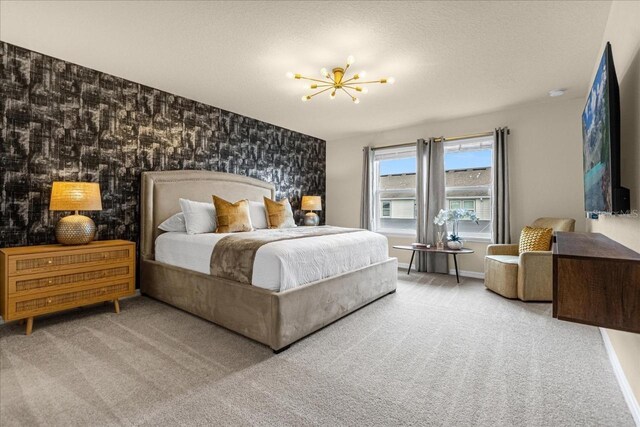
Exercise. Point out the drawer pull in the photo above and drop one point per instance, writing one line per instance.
(48, 300)
(50, 262)
(50, 281)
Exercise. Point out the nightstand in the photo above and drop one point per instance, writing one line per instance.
(36, 280)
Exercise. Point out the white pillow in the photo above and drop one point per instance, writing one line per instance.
(198, 217)
(174, 223)
(258, 214)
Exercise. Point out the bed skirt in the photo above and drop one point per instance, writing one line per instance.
(276, 319)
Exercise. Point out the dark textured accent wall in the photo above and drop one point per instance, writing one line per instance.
(64, 122)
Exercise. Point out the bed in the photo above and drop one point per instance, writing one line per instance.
(275, 310)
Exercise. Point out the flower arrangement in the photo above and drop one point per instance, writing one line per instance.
(454, 215)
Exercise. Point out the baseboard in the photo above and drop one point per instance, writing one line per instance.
(137, 294)
(629, 397)
(452, 272)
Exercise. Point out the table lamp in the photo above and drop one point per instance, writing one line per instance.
(311, 203)
(75, 196)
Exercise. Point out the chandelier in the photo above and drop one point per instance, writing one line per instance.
(338, 81)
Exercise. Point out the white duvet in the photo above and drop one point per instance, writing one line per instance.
(284, 264)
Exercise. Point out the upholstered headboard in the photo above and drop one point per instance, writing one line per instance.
(161, 191)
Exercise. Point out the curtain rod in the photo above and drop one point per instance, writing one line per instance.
(449, 138)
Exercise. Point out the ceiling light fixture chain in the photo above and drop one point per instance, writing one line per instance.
(336, 81)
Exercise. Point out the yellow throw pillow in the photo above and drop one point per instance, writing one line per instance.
(535, 239)
(232, 217)
(279, 214)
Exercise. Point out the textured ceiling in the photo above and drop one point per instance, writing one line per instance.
(450, 59)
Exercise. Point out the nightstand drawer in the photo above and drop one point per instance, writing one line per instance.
(33, 305)
(55, 281)
(55, 261)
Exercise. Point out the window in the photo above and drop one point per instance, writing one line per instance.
(394, 190)
(386, 209)
(468, 182)
(469, 205)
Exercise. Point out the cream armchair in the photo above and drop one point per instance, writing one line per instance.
(527, 276)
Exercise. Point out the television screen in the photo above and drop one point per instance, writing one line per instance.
(601, 143)
(597, 144)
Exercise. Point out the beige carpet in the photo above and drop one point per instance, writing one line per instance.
(434, 353)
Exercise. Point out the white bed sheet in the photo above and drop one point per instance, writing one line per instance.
(284, 264)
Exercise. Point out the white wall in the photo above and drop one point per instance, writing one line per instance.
(623, 31)
(545, 158)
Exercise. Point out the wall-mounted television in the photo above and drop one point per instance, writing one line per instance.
(601, 143)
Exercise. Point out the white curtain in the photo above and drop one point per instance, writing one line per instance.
(366, 214)
(430, 198)
(501, 226)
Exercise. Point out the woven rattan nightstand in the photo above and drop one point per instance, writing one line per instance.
(36, 280)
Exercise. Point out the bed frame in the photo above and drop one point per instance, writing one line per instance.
(276, 319)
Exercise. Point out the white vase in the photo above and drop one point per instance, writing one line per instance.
(455, 244)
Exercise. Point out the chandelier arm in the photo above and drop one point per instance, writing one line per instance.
(315, 80)
(348, 80)
(351, 96)
(369, 82)
(323, 90)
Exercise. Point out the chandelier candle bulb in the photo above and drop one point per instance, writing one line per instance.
(350, 60)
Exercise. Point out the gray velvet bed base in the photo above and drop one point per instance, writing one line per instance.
(276, 319)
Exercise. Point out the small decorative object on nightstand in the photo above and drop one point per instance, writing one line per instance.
(75, 196)
(311, 203)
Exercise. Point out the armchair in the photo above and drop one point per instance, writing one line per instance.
(527, 276)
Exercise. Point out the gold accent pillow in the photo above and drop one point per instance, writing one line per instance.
(279, 214)
(535, 239)
(232, 217)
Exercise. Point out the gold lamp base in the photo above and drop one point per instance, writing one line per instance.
(75, 230)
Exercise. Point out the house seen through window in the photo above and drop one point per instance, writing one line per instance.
(395, 190)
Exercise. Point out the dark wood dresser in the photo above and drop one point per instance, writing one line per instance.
(36, 280)
(596, 281)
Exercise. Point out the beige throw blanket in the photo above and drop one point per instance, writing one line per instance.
(233, 255)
